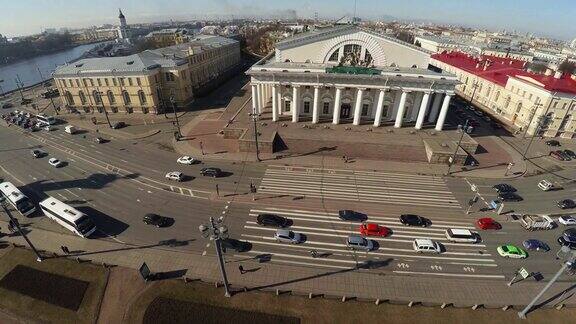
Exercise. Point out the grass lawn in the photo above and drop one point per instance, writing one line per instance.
(320, 310)
(24, 306)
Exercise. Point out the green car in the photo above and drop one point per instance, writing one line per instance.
(511, 251)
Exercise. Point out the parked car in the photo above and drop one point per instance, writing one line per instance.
(566, 204)
(100, 140)
(568, 238)
(187, 160)
(552, 143)
(511, 251)
(503, 187)
(350, 215)
(557, 155)
(567, 220)
(273, 220)
(509, 196)
(155, 220)
(535, 245)
(287, 236)
(119, 125)
(413, 220)
(479, 113)
(571, 154)
(565, 156)
(7, 105)
(488, 223)
(37, 153)
(55, 162)
(211, 172)
(373, 229)
(545, 185)
(426, 246)
(175, 175)
(236, 245)
(356, 242)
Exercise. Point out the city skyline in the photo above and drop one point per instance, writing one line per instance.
(553, 19)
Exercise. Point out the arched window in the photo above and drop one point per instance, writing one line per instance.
(82, 97)
(97, 97)
(142, 97)
(518, 107)
(497, 96)
(334, 56)
(126, 97)
(111, 97)
(69, 98)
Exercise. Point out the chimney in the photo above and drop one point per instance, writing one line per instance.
(548, 72)
(558, 75)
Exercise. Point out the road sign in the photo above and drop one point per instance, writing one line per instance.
(524, 273)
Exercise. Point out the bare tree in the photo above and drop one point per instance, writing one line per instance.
(567, 67)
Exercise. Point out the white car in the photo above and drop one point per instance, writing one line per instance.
(287, 236)
(567, 220)
(426, 246)
(55, 162)
(187, 160)
(175, 175)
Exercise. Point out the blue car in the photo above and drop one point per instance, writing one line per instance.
(536, 245)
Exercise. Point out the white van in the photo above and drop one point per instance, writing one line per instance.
(70, 129)
(545, 185)
(426, 246)
(461, 235)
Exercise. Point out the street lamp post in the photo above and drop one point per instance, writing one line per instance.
(217, 232)
(463, 130)
(255, 120)
(510, 165)
(178, 133)
(17, 224)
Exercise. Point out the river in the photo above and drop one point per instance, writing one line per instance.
(27, 70)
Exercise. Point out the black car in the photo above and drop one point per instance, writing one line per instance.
(350, 215)
(570, 153)
(503, 187)
(156, 220)
(7, 105)
(552, 143)
(236, 245)
(563, 241)
(38, 153)
(119, 125)
(272, 220)
(495, 125)
(100, 140)
(565, 156)
(509, 196)
(211, 172)
(566, 204)
(413, 220)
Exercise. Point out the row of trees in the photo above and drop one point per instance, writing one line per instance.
(32, 47)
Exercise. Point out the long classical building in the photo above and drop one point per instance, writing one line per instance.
(541, 104)
(346, 74)
(150, 81)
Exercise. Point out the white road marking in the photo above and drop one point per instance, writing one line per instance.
(450, 274)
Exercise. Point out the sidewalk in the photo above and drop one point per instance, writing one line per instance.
(351, 283)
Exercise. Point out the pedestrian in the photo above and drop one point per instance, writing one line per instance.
(241, 269)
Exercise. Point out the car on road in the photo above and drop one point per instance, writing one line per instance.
(545, 185)
(566, 204)
(373, 229)
(352, 216)
(511, 251)
(565, 156)
(567, 220)
(557, 155)
(488, 223)
(509, 196)
(459, 235)
(288, 236)
(552, 143)
(155, 220)
(7, 105)
(37, 153)
(55, 162)
(100, 140)
(568, 238)
(357, 242)
(236, 245)
(535, 245)
(487, 119)
(211, 172)
(503, 187)
(426, 246)
(478, 113)
(413, 220)
(571, 154)
(187, 160)
(273, 220)
(175, 175)
(119, 125)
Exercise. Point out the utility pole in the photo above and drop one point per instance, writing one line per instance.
(463, 130)
(178, 133)
(217, 232)
(17, 224)
(20, 86)
(255, 120)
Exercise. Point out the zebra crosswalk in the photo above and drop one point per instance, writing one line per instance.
(326, 234)
(363, 186)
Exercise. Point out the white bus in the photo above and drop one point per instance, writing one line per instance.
(68, 217)
(20, 201)
(48, 120)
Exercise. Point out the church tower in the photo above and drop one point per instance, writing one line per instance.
(123, 32)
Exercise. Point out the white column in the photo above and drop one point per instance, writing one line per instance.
(401, 109)
(315, 111)
(358, 107)
(435, 107)
(379, 108)
(422, 110)
(254, 99)
(336, 118)
(443, 112)
(260, 98)
(396, 103)
(416, 105)
(279, 100)
(295, 102)
(274, 103)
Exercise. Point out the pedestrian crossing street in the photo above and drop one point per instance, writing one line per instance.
(325, 233)
(363, 186)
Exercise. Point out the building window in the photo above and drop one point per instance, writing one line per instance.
(99, 82)
(97, 97)
(326, 108)
(106, 81)
(138, 81)
(287, 106)
(122, 81)
(82, 97)
(126, 97)
(306, 107)
(365, 108)
(142, 97)
(114, 82)
(69, 99)
(555, 104)
(334, 56)
(530, 96)
(130, 81)
(83, 82)
(169, 76)
(111, 97)
(77, 83)
(564, 106)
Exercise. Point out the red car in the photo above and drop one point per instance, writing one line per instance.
(372, 229)
(488, 223)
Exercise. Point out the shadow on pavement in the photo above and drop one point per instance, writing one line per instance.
(106, 225)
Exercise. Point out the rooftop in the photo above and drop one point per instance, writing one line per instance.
(499, 70)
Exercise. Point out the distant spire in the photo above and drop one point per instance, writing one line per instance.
(121, 14)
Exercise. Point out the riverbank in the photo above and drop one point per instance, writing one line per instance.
(3, 63)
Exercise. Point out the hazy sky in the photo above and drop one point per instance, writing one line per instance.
(554, 18)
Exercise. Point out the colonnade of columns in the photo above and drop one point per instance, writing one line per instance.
(433, 104)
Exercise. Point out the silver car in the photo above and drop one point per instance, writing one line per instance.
(287, 236)
(356, 242)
